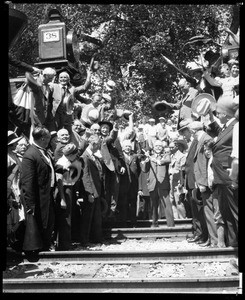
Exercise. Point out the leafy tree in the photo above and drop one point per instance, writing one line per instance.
(136, 34)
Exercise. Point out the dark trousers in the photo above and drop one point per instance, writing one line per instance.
(91, 222)
(210, 208)
(198, 219)
(64, 221)
(157, 196)
(111, 190)
(127, 204)
(228, 204)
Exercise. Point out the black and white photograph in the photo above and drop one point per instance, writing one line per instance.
(122, 149)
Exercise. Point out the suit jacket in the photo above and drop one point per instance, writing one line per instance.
(130, 177)
(116, 152)
(36, 184)
(223, 144)
(158, 175)
(56, 89)
(189, 166)
(92, 177)
(200, 161)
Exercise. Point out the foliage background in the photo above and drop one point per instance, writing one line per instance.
(134, 37)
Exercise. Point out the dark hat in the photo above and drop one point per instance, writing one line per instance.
(161, 105)
(104, 122)
(201, 104)
(69, 149)
(211, 56)
(182, 142)
(13, 137)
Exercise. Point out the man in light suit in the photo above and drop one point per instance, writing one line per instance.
(37, 187)
(158, 182)
(62, 93)
(223, 188)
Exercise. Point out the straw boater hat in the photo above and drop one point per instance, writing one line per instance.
(202, 103)
(13, 137)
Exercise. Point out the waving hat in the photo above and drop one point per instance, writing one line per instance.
(161, 105)
(202, 103)
(69, 104)
(104, 122)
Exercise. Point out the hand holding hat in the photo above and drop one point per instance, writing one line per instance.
(202, 104)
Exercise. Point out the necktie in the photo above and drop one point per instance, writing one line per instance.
(63, 92)
(107, 157)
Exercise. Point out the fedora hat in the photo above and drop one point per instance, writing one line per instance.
(202, 103)
(69, 149)
(120, 113)
(13, 137)
(105, 122)
(161, 105)
(211, 56)
(69, 104)
(184, 124)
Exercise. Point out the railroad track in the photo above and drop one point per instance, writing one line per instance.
(138, 270)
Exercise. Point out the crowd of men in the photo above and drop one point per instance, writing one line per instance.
(78, 169)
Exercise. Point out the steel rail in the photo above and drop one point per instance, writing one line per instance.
(218, 285)
(131, 255)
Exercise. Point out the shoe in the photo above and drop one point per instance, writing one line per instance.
(193, 240)
(221, 246)
(205, 244)
(154, 225)
(201, 241)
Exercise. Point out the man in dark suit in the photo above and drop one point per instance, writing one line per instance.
(113, 158)
(93, 172)
(190, 186)
(37, 186)
(223, 188)
(206, 207)
(128, 190)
